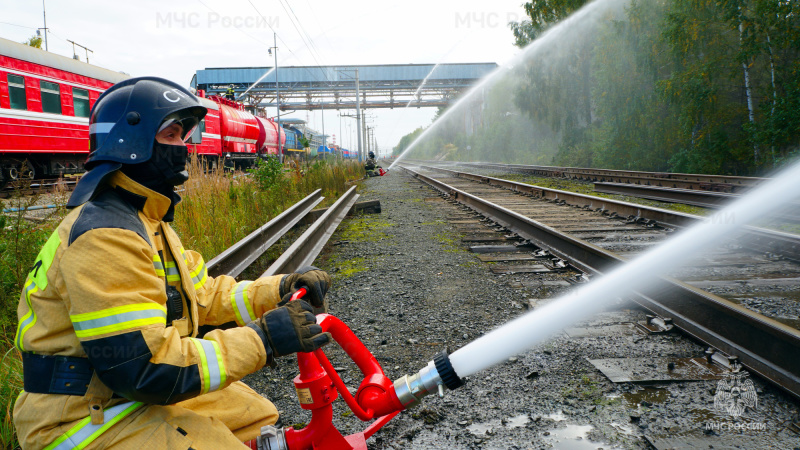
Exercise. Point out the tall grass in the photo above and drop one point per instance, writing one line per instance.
(21, 238)
(218, 209)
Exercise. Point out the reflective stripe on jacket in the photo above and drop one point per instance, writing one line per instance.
(97, 290)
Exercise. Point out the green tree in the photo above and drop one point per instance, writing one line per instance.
(34, 41)
(406, 140)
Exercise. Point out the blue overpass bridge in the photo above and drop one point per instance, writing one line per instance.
(334, 87)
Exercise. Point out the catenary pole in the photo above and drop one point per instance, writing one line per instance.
(358, 119)
(277, 92)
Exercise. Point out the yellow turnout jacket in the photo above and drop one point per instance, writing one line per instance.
(98, 292)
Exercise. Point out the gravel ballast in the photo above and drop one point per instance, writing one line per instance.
(408, 287)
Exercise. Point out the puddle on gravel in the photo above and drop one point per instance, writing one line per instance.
(573, 437)
(648, 395)
(489, 428)
(485, 429)
(518, 421)
(557, 416)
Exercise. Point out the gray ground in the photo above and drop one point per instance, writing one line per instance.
(408, 287)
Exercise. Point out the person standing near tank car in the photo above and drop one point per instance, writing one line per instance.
(111, 312)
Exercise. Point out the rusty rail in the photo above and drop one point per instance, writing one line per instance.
(719, 183)
(759, 239)
(763, 345)
(235, 259)
(306, 248)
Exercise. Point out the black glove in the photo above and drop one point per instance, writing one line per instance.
(315, 281)
(289, 329)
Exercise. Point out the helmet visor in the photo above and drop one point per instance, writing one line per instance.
(188, 123)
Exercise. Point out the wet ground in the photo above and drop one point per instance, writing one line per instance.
(409, 287)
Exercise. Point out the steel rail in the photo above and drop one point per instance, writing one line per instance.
(705, 199)
(758, 239)
(762, 345)
(235, 259)
(308, 246)
(726, 183)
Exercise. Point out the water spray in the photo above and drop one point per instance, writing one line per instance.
(377, 397)
(557, 32)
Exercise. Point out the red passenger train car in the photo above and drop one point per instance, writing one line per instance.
(45, 100)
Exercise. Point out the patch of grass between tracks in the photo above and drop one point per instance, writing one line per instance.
(364, 228)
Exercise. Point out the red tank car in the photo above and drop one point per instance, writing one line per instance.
(240, 132)
(268, 137)
(207, 139)
(45, 101)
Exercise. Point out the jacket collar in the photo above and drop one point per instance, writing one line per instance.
(152, 204)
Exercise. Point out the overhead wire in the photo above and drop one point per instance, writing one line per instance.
(292, 17)
(300, 24)
(17, 25)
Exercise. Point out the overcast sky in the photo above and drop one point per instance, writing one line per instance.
(174, 39)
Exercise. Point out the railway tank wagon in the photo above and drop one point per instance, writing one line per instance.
(268, 137)
(227, 135)
(45, 100)
(240, 132)
(206, 142)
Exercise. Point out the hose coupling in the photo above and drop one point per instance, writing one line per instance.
(434, 377)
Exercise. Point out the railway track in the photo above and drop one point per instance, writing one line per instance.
(705, 199)
(37, 187)
(716, 183)
(745, 311)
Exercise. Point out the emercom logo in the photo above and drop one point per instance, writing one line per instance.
(735, 393)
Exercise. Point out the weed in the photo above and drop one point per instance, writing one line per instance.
(366, 228)
(348, 268)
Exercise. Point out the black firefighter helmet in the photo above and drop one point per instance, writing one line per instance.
(372, 155)
(124, 123)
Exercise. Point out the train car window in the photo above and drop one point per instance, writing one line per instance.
(51, 97)
(16, 92)
(202, 126)
(80, 98)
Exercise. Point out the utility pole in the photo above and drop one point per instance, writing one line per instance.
(359, 117)
(44, 14)
(277, 91)
(324, 139)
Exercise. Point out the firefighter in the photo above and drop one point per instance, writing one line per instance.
(112, 312)
(230, 94)
(370, 165)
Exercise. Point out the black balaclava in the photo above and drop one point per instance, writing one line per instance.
(162, 172)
